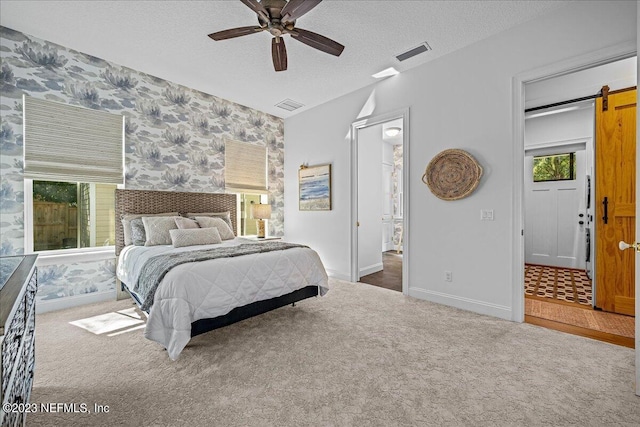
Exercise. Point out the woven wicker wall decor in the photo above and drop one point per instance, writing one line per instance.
(453, 174)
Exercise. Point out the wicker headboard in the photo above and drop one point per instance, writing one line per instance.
(145, 201)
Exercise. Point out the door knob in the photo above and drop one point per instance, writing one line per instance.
(624, 245)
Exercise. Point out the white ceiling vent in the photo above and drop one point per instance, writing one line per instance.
(289, 105)
(423, 47)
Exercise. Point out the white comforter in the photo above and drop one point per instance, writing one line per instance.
(212, 288)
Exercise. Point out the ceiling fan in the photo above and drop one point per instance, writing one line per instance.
(278, 17)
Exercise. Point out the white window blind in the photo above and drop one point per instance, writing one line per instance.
(67, 143)
(245, 168)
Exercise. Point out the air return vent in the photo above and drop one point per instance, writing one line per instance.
(289, 105)
(424, 47)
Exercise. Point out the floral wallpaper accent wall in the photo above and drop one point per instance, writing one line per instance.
(175, 136)
(60, 281)
(397, 176)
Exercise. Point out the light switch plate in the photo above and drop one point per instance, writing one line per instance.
(486, 214)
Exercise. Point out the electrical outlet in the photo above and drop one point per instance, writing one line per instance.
(486, 214)
(448, 276)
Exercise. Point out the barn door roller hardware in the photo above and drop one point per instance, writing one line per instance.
(604, 92)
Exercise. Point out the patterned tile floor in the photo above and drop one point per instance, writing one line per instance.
(562, 284)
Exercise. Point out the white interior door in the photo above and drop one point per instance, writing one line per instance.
(369, 200)
(553, 233)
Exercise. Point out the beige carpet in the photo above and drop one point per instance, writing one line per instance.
(360, 356)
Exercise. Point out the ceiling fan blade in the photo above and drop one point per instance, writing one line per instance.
(279, 54)
(235, 32)
(317, 41)
(294, 9)
(257, 7)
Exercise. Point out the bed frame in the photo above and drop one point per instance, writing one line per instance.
(150, 202)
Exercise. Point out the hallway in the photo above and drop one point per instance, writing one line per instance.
(391, 275)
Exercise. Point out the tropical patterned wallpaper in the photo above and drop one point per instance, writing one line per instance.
(175, 138)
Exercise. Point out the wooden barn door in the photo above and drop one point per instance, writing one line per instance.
(615, 162)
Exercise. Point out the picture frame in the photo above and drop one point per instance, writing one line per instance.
(314, 185)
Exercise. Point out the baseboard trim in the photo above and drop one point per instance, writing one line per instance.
(370, 269)
(44, 306)
(481, 307)
(338, 275)
(583, 332)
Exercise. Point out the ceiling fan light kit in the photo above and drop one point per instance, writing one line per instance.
(278, 17)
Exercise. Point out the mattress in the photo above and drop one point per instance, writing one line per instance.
(212, 288)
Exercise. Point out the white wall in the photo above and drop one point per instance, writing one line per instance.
(462, 100)
(559, 127)
(616, 75)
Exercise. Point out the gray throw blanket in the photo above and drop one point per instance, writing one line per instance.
(154, 270)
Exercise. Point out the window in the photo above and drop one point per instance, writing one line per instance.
(69, 215)
(246, 175)
(248, 225)
(73, 162)
(559, 167)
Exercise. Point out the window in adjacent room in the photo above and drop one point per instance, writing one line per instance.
(559, 167)
(73, 162)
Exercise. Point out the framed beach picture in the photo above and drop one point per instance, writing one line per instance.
(315, 188)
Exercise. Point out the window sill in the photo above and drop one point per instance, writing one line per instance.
(68, 256)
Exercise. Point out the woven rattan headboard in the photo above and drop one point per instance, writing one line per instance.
(144, 201)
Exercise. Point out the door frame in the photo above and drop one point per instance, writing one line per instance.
(353, 247)
(589, 60)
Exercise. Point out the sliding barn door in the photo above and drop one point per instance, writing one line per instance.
(615, 162)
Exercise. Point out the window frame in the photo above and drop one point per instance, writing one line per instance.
(572, 170)
(95, 253)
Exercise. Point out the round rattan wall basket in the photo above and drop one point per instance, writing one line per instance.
(452, 175)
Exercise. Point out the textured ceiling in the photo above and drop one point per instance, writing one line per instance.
(168, 39)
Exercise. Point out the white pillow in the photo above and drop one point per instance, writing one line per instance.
(157, 229)
(126, 218)
(224, 215)
(194, 236)
(186, 223)
(225, 231)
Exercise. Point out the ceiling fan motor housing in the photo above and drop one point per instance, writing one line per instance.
(271, 19)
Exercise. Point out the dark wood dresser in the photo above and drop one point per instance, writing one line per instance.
(18, 286)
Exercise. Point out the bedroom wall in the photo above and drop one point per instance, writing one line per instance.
(174, 140)
(461, 100)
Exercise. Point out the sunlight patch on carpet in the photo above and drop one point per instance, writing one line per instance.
(104, 323)
(131, 312)
(135, 328)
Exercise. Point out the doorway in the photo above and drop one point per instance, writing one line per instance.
(379, 239)
(380, 231)
(563, 177)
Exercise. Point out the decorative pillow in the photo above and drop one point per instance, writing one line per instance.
(157, 229)
(126, 223)
(138, 236)
(184, 223)
(225, 231)
(194, 236)
(226, 216)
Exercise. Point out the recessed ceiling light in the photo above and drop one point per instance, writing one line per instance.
(385, 73)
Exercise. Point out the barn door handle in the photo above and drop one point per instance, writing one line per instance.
(605, 218)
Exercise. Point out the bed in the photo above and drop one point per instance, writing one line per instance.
(195, 297)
